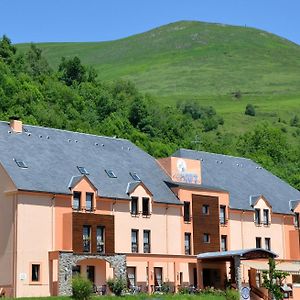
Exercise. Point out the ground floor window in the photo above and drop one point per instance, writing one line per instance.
(131, 276)
(158, 276)
(35, 272)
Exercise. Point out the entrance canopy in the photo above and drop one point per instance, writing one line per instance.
(243, 254)
(235, 257)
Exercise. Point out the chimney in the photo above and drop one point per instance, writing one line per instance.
(15, 124)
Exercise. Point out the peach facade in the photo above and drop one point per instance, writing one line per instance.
(158, 240)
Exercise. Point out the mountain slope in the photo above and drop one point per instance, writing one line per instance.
(192, 59)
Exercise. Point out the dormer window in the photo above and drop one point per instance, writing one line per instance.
(76, 200)
(82, 170)
(134, 206)
(146, 206)
(21, 164)
(89, 201)
(296, 220)
(135, 176)
(111, 173)
(266, 217)
(257, 216)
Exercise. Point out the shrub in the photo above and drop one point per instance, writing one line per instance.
(250, 110)
(82, 288)
(237, 94)
(231, 294)
(295, 121)
(116, 285)
(166, 288)
(183, 290)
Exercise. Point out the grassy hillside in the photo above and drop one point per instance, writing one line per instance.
(193, 58)
(204, 62)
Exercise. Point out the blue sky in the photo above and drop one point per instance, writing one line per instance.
(100, 20)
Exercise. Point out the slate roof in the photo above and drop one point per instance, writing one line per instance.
(242, 178)
(52, 157)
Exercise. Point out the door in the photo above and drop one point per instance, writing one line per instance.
(90, 270)
(195, 277)
(158, 276)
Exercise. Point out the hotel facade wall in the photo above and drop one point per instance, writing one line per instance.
(35, 238)
(7, 230)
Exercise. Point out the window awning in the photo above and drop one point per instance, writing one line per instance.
(292, 267)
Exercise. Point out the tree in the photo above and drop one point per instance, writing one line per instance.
(265, 144)
(250, 110)
(273, 280)
(138, 113)
(72, 71)
(37, 64)
(7, 50)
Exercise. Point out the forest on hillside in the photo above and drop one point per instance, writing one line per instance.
(72, 98)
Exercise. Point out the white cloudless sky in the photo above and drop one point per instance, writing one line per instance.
(102, 20)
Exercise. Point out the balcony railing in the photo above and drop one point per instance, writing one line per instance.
(146, 248)
(187, 250)
(187, 218)
(86, 245)
(100, 247)
(134, 248)
(223, 221)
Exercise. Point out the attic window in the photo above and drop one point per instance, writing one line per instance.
(135, 176)
(82, 170)
(111, 173)
(21, 164)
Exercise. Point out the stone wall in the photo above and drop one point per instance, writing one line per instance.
(67, 260)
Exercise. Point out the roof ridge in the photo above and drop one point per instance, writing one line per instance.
(227, 155)
(77, 132)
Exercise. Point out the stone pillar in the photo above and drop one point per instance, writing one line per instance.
(65, 263)
(118, 263)
(237, 272)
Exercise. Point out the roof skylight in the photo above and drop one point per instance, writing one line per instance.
(135, 176)
(21, 164)
(83, 170)
(111, 173)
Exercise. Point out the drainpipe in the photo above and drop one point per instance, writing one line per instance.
(167, 235)
(242, 228)
(283, 238)
(15, 240)
(53, 221)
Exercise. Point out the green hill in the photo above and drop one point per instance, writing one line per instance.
(192, 58)
(205, 62)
